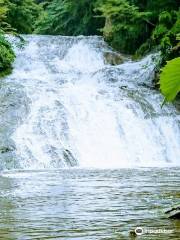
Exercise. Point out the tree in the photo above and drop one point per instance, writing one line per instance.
(4, 26)
(69, 17)
(126, 28)
(139, 26)
(22, 14)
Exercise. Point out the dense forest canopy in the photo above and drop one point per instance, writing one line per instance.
(68, 17)
(22, 15)
(130, 26)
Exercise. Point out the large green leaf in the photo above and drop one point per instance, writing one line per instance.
(170, 79)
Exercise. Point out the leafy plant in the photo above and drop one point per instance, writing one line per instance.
(6, 54)
(170, 79)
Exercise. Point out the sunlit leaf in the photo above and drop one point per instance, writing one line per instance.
(170, 79)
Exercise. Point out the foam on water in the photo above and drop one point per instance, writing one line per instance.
(86, 113)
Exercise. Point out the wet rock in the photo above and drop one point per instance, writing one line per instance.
(174, 213)
(113, 58)
(6, 144)
(132, 233)
(70, 160)
(123, 87)
(148, 86)
(177, 103)
(7, 156)
(5, 149)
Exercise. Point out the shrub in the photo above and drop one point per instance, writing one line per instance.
(6, 54)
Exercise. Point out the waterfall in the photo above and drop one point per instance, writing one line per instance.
(84, 112)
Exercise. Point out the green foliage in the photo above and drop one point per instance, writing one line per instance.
(3, 12)
(165, 18)
(170, 79)
(124, 24)
(139, 25)
(159, 32)
(22, 14)
(68, 17)
(4, 26)
(168, 41)
(6, 54)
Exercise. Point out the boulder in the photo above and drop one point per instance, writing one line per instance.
(113, 58)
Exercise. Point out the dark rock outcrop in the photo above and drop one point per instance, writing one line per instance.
(174, 213)
(70, 159)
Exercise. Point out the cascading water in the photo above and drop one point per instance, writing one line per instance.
(85, 112)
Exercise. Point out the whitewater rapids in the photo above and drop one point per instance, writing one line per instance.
(84, 112)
